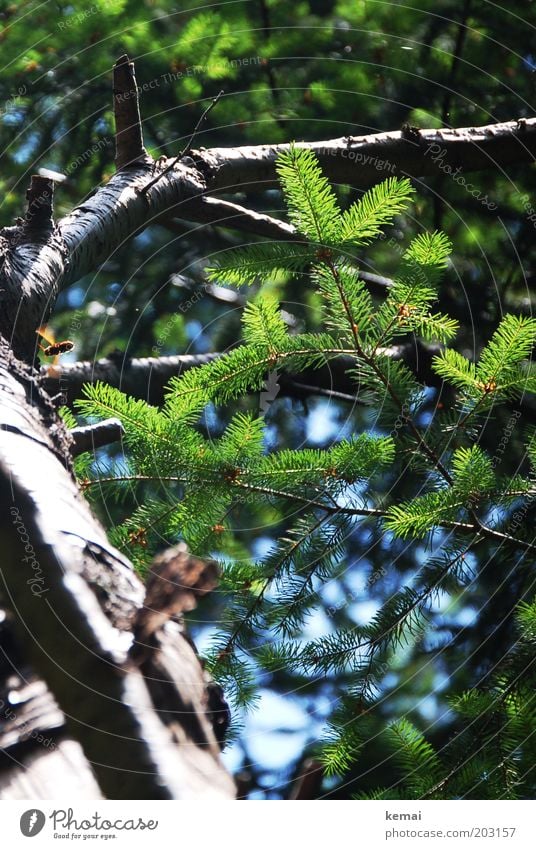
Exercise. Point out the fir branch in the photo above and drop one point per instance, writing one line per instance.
(311, 203)
(258, 601)
(364, 220)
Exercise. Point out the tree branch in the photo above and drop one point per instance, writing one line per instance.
(139, 377)
(128, 132)
(210, 210)
(362, 161)
(94, 436)
(147, 377)
(93, 231)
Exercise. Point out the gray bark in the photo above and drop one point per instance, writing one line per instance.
(362, 161)
(69, 600)
(73, 601)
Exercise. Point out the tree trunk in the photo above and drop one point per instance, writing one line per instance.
(78, 713)
(72, 698)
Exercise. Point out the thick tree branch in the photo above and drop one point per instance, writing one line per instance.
(32, 260)
(362, 161)
(33, 272)
(93, 231)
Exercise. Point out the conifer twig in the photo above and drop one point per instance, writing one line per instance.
(365, 512)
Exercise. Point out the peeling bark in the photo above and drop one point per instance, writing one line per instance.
(362, 161)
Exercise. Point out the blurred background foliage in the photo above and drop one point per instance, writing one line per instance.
(307, 71)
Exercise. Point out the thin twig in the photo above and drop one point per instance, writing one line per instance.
(188, 147)
(371, 512)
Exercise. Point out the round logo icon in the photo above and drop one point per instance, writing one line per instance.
(31, 822)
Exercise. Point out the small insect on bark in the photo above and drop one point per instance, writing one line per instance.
(57, 348)
(54, 349)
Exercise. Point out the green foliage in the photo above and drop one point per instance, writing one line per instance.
(311, 203)
(415, 757)
(415, 290)
(320, 495)
(501, 372)
(261, 260)
(472, 480)
(280, 83)
(364, 220)
(492, 755)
